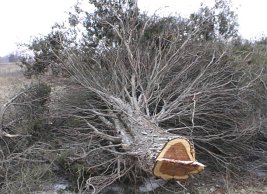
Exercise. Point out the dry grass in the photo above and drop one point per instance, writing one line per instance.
(11, 80)
(222, 184)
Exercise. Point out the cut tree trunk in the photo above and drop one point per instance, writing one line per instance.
(144, 139)
(141, 136)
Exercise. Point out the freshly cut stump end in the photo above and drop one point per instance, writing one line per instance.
(177, 161)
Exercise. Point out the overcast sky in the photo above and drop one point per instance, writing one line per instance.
(22, 19)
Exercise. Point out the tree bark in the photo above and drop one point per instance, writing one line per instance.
(140, 134)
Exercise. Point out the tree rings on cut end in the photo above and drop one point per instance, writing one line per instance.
(177, 161)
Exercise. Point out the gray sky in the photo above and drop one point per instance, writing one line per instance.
(22, 19)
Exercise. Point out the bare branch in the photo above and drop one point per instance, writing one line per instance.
(103, 135)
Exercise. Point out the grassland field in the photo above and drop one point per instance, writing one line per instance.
(11, 80)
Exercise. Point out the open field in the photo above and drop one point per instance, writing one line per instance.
(11, 80)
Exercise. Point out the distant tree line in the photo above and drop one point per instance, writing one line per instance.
(11, 58)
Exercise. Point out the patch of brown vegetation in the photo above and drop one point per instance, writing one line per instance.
(11, 80)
